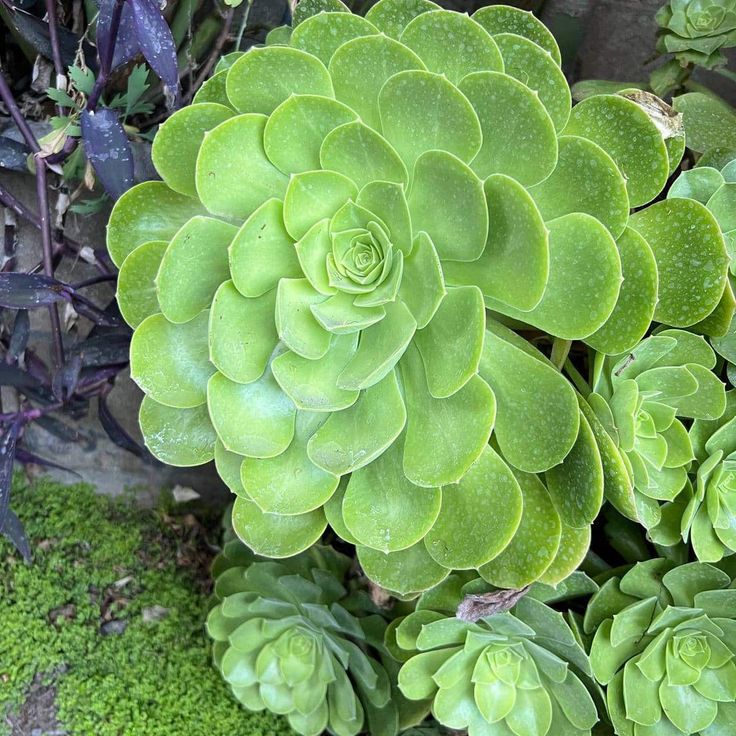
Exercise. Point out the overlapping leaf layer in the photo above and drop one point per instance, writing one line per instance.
(365, 232)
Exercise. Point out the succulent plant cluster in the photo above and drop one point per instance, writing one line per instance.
(383, 253)
(518, 672)
(287, 639)
(664, 647)
(364, 240)
(697, 31)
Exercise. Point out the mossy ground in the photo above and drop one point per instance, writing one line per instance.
(137, 575)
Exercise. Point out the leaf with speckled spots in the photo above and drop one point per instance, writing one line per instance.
(527, 150)
(584, 280)
(180, 437)
(625, 131)
(534, 544)
(576, 484)
(537, 416)
(451, 44)
(479, 515)
(534, 67)
(498, 19)
(637, 299)
(383, 509)
(691, 259)
(585, 179)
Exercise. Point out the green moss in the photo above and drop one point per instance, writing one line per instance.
(96, 559)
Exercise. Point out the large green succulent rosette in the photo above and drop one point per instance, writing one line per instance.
(519, 672)
(290, 637)
(696, 31)
(320, 287)
(641, 399)
(664, 645)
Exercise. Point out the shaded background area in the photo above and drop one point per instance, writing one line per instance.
(606, 39)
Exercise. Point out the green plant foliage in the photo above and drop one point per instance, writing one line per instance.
(697, 31)
(518, 672)
(291, 638)
(704, 513)
(640, 399)
(664, 648)
(97, 560)
(364, 226)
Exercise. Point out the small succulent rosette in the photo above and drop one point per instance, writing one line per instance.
(641, 398)
(697, 31)
(704, 514)
(664, 646)
(515, 672)
(309, 286)
(289, 637)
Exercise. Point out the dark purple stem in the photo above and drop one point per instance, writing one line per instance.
(48, 256)
(28, 415)
(106, 61)
(55, 49)
(95, 280)
(15, 113)
(64, 244)
(60, 156)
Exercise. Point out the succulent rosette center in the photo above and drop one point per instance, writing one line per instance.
(697, 30)
(664, 646)
(499, 675)
(641, 399)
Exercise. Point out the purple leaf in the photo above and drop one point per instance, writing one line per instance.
(66, 378)
(126, 41)
(13, 530)
(118, 435)
(103, 350)
(108, 150)
(28, 291)
(8, 439)
(20, 335)
(156, 43)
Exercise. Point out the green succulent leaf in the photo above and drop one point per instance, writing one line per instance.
(498, 19)
(183, 288)
(180, 437)
(584, 279)
(534, 66)
(528, 149)
(234, 176)
(684, 236)
(178, 141)
(136, 292)
(625, 131)
(539, 530)
(145, 213)
(537, 422)
(262, 79)
(472, 50)
(479, 515)
(384, 510)
(170, 361)
(254, 419)
(406, 571)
